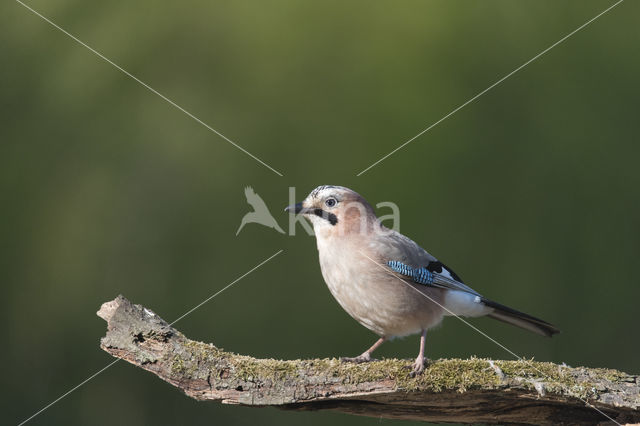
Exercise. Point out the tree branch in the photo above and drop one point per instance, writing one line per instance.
(449, 390)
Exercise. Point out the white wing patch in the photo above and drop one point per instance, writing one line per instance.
(464, 304)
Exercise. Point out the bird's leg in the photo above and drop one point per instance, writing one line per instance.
(418, 365)
(366, 355)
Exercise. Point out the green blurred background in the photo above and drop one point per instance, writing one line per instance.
(530, 193)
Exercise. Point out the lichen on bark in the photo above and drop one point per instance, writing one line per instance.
(449, 390)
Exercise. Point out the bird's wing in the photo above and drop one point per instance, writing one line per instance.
(435, 274)
(452, 284)
(445, 276)
(412, 261)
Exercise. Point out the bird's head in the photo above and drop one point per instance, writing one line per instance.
(336, 210)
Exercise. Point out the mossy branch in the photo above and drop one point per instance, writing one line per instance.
(449, 390)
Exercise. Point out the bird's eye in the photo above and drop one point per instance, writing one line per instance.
(330, 202)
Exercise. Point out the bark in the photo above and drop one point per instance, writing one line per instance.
(450, 390)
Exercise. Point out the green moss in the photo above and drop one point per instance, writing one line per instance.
(532, 369)
(454, 374)
(194, 359)
(202, 352)
(250, 369)
(177, 365)
(560, 379)
(356, 373)
(197, 359)
(609, 374)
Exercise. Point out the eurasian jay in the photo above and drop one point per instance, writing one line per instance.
(387, 282)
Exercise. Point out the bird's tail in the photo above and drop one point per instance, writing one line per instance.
(520, 319)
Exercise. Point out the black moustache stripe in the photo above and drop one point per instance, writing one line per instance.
(332, 218)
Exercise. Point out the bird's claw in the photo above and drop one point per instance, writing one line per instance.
(417, 367)
(365, 357)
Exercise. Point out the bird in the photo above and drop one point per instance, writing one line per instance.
(261, 213)
(386, 281)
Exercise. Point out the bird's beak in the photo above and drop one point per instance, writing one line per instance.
(295, 208)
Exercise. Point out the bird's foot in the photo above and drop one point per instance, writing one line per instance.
(418, 367)
(365, 357)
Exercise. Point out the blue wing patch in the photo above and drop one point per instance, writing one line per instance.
(400, 268)
(434, 274)
(423, 276)
(418, 275)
